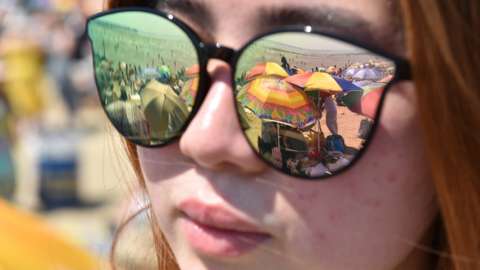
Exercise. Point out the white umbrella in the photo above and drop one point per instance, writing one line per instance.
(371, 74)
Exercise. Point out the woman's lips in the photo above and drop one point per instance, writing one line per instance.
(215, 231)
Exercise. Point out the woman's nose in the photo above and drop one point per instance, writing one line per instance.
(214, 138)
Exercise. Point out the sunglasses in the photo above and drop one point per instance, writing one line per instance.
(308, 102)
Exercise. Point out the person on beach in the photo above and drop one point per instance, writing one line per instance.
(410, 201)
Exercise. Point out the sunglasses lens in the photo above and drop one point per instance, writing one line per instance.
(308, 102)
(146, 70)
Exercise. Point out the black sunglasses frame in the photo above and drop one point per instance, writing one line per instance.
(207, 51)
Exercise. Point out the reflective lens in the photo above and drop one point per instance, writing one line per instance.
(309, 101)
(146, 70)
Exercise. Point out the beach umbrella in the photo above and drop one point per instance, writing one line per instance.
(364, 102)
(369, 84)
(193, 70)
(371, 74)
(189, 91)
(362, 84)
(266, 69)
(128, 117)
(386, 79)
(273, 99)
(300, 70)
(164, 110)
(349, 72)
(373, 85)
(190, 87)
(322, 82)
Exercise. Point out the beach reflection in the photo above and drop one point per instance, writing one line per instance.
(334, 85)
(148, 78)
(307, 102)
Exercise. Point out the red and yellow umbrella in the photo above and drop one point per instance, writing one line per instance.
(271, 98)
(266, 69)
(300, 71)
(190, 88)
(386, 79)
(364, 102)
(193, 70)
(323, 82)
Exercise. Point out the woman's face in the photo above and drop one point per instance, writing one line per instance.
(221, 207)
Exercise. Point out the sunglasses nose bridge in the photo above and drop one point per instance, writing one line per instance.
(218, 51)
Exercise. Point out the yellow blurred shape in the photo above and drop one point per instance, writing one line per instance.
(27, 243)
(25, 81)
(275, 69)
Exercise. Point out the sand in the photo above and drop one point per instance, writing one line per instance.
(348, 124)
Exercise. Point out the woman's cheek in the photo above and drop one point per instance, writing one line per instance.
(361, 219)
(376, 209)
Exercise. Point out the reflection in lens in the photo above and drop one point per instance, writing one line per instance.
(146, 70)
(309, 101)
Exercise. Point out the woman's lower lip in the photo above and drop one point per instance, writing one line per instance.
(220, 242)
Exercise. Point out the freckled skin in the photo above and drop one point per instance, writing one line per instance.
(363, 218)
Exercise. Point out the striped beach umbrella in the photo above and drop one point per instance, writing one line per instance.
(364, 102)
(270, 98)
(386, 79)
(193, 70)
(322, 82)
(190, 88)
(266, 69)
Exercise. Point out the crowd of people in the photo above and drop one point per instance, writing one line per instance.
(45, 73)
(312, 151)
(45, 53)
(308, 151)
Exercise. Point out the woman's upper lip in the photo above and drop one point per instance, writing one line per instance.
(217, 216)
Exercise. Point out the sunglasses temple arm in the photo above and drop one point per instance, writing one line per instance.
(404, 70)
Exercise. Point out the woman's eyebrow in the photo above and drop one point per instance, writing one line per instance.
(338, 21)
(195, 10)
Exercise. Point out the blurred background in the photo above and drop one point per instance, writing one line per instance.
(62, 167)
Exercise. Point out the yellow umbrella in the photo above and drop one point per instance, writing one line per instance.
(28, 243)
(266, 69)
(164, 110)
(322, 82)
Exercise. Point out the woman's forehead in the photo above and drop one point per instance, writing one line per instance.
(235, 21)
